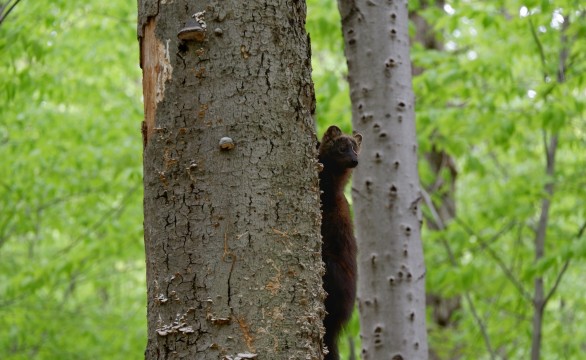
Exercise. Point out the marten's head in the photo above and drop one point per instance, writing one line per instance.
(339, 151)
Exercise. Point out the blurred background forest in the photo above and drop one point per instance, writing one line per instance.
(503, 85)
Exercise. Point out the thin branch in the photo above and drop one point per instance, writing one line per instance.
(106, 216)
(434, 213)
(3, 14)
(480, 324)
(486, 245)
(563, 63)
(502, 169)
(539, 45)
(581, 231)
(558, 279)
(557, 282)
(545, 145)
(441, 226)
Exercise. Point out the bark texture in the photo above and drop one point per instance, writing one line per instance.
(386, 193)
(232, 219)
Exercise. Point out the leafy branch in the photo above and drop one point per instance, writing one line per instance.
(3, 9)
(440, 225)
(559, 277)
(485, 244)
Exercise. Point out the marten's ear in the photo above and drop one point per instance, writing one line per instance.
(331, 133)
(358, 138)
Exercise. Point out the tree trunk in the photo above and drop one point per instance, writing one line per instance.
(550, 145)
(231, 194)
(386, 193)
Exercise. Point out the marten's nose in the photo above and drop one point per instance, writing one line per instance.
(353, 163)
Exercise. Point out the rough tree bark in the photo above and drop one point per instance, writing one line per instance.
(386, 193)
(232, 219)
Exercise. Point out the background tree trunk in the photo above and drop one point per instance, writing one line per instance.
(550, 145)
(440, 190)
(232, 231)
(386, 193)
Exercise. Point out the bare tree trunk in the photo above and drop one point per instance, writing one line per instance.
(550, 145)
(232, 217)
(539, 300)
(391, 271)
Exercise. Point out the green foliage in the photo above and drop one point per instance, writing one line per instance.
(349, 340)
(329, 65)
(71, 254)
(489, 99)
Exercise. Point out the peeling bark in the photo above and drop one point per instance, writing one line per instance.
(232, 217)
(386, 193)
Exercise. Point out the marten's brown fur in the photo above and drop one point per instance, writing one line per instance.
(339, 155)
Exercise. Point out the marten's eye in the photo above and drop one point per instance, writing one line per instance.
(342, 147)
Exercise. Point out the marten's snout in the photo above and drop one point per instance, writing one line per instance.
(352, 158)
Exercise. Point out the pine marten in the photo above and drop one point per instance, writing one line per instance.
(339, 155)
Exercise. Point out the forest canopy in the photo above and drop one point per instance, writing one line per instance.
(502, 92)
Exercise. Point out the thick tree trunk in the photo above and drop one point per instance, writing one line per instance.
(391, 271)
(232, 217)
